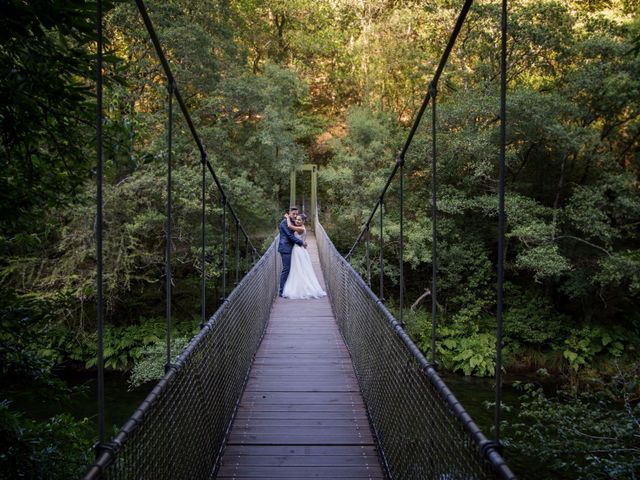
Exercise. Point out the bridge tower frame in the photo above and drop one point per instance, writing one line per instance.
(307, 167)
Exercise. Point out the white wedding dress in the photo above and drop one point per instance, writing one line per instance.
(302, 281)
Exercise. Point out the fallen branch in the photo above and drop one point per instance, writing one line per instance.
(426, 294)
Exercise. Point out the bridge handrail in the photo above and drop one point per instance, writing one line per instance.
(179, 430)
(407, 401)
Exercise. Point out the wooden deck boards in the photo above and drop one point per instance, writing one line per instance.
(302, 414)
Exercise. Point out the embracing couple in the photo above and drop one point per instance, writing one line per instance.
(298, 280)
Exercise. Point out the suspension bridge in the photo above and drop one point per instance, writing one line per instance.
(320, 388)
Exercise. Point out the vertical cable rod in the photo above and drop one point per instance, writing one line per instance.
(237, 252)
(203, 260)
(224, 248)
(381, 249)
(368, 258)
(501, 216)
(434, 220)
(246, 255)
(167, 258)
(401, 161)
(98, 233)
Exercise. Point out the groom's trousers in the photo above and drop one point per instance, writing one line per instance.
(286, 265)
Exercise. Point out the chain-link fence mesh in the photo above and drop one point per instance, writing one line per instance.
(422, 430)
(179, 430)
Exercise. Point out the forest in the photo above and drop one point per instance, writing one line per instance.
(273, 85)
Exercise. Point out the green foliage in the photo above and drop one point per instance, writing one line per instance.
(474, 355)
(582, 435)
(123, 346)
(458, 348)
(273, 85)
(55, 449)
(531, 320)
(584, 344)
(150, 365)
(21, 361)
(46, 68)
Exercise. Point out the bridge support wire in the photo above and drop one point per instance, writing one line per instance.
(501, 216)
(167, 264)
(224, 248)
(98, 232)
(434, 222)
(203, 259)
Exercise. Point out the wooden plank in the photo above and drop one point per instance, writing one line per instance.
(296, 460)
(301, 398)
(302, 387)
(301, 422)
(311, 439)
(342, 471)
(289, 450)
(307, 416)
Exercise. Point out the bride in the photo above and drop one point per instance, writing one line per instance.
(302, 281)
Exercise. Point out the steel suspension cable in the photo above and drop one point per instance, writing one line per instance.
(98, 232)
(401, 319)
(381, 249)
(237, 252)
(224, 248)
(501, 215)
(246, 256)
(368, 258)
(434, 219)
(203, 260)
(167, 264)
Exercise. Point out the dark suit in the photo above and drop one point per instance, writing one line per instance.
(285, 246)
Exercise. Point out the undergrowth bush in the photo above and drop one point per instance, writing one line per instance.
(589, 434)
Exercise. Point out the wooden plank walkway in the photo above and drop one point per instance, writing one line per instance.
(302, 414)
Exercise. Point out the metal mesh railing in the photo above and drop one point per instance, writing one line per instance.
(179, 430)
(422, 430)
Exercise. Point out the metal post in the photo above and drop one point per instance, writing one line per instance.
(434, 219)
(401, 160)
(167, 260)
(313, 196)
(237, 251)
(224, 248)
(501, 216)
(99, 207)
(292, 189)
(246, 255)
(381, 249)
(203, 260)
(368, 259)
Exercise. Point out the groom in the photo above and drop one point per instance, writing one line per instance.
(285, 246)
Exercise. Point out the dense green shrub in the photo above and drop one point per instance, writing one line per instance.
(150, 365)
(56, 449)
(589, 434)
